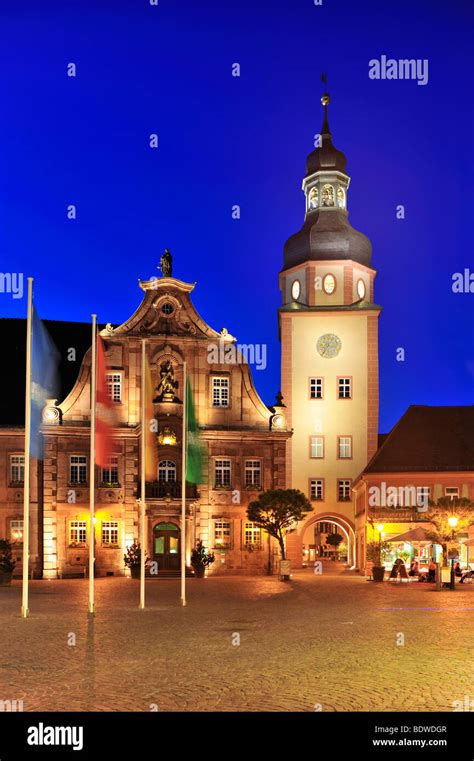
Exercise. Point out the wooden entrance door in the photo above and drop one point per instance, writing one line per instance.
(166, 546)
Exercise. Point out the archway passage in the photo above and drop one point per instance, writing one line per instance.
(166, 546)
(343, 526)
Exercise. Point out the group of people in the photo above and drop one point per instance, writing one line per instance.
(399, 571)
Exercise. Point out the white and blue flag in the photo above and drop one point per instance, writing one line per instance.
(44, 378)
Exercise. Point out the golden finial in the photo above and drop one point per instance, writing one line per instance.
(325, 98)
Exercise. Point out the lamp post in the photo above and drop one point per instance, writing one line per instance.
(380, 528)
(453, 522)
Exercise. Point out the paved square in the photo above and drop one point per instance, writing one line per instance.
(328, 641)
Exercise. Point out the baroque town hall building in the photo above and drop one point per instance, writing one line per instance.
(319, 438)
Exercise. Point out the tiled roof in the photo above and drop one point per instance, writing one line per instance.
(428, 439)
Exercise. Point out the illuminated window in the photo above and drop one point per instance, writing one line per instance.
(316, 489)
(17, 468)
(220, 391)
(252, 535)
(166, 471)
(295, 290)
(329, 284)
(344, 447)
(222, 472)
(361, 289)
(313, 198)
(110, 532)
(315, 388)
(451, 491)
(341, 198)
(327, 195)
(253, 473)
(114, 386)
(78, 469)
(344, 388)
(344, 489)
(317, 447)
(77, 532)
(221, 532)
(16, 530)
(110, 474)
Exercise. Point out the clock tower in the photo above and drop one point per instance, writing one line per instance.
(329, 338)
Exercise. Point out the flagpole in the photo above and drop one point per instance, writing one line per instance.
(183, 490)
(142, 479)
(26, 485)
(91, 607)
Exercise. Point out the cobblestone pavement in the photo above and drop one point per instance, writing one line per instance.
(315, 643)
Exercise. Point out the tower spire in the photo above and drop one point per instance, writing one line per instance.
(325, 100)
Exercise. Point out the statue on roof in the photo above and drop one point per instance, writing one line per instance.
(166, 262)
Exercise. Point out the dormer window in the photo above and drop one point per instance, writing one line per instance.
(313, 198)
(341, 197)
(327, 196)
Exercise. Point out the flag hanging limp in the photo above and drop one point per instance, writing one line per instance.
(104, 411)
(44, 377)
(194, 447)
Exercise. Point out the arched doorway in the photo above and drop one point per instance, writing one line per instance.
(166, 546)
(342, 524)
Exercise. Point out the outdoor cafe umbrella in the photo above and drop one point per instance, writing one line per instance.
(415, 535)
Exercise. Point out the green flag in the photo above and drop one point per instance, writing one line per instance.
(194, 449)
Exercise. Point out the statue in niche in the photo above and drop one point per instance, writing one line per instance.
(167, 383)
(166, 263)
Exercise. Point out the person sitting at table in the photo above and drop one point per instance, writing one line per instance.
(395, 572)
(466, 575)
(458, 569)
(431, 570)
(414, 568)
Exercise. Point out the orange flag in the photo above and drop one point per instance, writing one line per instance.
(104, 411)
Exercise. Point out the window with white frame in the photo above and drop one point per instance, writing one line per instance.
(451, 491)
(110, 474)
(78, 469)
(344, 447)
(110, 532)
(77, 532)
(344, 388)
(222, 472)
(344, 489)
(166, 471)
(317, 447)
(220, 391)
(316, 489)
(252, 535)
(16, 530)
(253, 473)
(17, 468)
(315, 388)
(114, 386)
(221, 532)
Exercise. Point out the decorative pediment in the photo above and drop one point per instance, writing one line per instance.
(166, 310)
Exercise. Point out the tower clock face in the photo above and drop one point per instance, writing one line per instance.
(329, 345)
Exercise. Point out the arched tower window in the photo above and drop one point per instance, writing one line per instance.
(313, 198)
(341, 197)
(166, 471)
(327, 195)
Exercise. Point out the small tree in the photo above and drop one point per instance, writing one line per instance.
(440, 512)
(133, 555)
(278, 511)
(7, 562)
(376, 551)
(200, 557)
(334, 540)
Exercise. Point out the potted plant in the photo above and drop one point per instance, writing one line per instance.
(278, 511)
(7, 563)
(132, 559)
(375, 551)
(201, 559)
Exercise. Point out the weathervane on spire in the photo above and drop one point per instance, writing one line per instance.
(325, 98)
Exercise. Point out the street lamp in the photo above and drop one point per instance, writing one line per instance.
(453, 522)
(380, 528)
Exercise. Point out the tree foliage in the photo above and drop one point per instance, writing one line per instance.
(278, 512)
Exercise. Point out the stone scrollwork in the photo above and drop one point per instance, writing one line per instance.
(51, 414)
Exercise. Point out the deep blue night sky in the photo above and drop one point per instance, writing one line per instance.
(225, 141)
